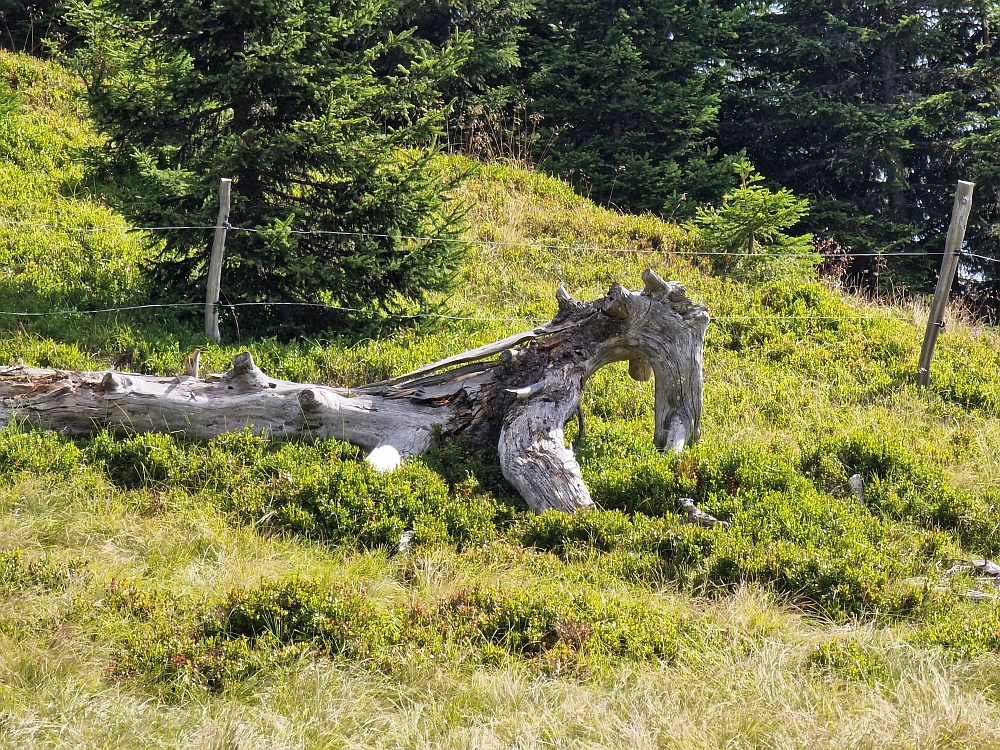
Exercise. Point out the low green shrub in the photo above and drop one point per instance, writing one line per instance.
(813, 548)
(853, 567)
(900, 485)
(214, 644)
(210, 663)
(848, 660)
(527, 623)
(604, 531)
(19, 572)
(132, 601)
(144, 460)
(48, 263)
(792, 525)
(211, 645)
(461, 462)
(25, 450)
(635, 477)
(824, 550)
(965, 370)
(334, 620)
(349, 501)
(319, 490)
(961, 626)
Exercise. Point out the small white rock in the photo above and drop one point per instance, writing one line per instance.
(857, 486)
(404, 541)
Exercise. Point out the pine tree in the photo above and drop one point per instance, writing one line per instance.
(313, 108)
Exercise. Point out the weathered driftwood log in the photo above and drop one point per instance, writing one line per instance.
(516, 394)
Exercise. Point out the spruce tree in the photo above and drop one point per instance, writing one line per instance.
(314, 108)
(871, 109)
(745, 235)
(631, 88)
(486, 81)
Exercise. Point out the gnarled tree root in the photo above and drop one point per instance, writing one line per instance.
(516, 394)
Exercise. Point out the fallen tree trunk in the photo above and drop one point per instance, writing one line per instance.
(516, 394)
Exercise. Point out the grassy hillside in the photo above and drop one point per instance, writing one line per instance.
(239, 593)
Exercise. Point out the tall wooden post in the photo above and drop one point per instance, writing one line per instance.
(949, 264)
(215, 264)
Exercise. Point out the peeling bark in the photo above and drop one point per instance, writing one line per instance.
(517, 393)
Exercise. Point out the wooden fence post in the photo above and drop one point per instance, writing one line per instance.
(215, 264)
(949, 264)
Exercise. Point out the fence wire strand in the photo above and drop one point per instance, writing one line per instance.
(429, 239)
(472, 241)
(408, 316)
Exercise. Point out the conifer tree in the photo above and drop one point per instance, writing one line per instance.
(632, 88)
(313, 108)
(873, 110)
(486, 80)
(746, 235)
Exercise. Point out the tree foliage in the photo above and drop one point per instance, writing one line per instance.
(313, 107)
(486, 80)
(747, 232)
(873, 109)
(637, 85)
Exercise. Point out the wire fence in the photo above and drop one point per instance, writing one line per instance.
(430, 239)
(410, 316)
(234, 305)
(470, 241)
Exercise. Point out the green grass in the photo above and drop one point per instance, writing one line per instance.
(45, 264)
(159, 592)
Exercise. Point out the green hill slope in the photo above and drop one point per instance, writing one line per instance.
(242, 593)
(46, 265)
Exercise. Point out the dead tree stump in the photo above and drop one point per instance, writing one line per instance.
(517, 393)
